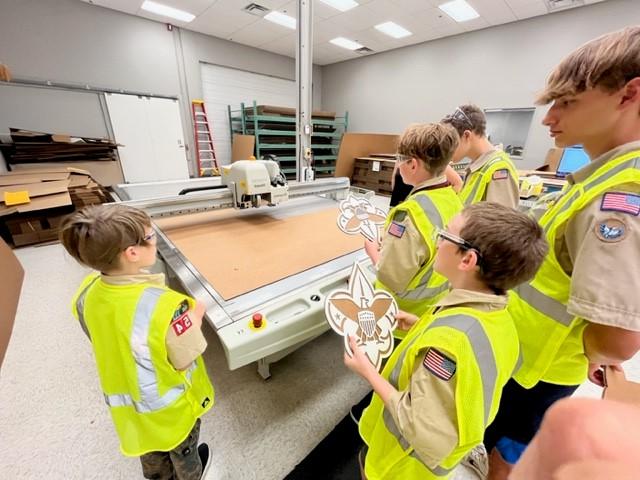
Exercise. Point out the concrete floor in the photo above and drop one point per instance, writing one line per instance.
(54, 424)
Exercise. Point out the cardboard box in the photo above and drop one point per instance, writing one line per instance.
(355, 145)
(12, 278)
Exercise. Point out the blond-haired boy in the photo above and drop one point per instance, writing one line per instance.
(405, 259)
(146, 340)
(582, 309)
(491, 176)
(442, 385)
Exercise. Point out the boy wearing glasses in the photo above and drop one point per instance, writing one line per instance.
(405, 259)
(146, 340)
(491, 176)
(441, 387)
(582, 310)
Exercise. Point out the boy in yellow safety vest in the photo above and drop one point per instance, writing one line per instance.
(146, 340)
(491, 175)
(442, 385)
(404, 260)
(582, 309)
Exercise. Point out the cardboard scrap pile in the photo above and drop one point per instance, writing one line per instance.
(30, 147)
(374, 172)
(34, 201)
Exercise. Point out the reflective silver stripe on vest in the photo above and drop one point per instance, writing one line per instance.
(631, 163)
(150, 399)
(421, 291)
(485, 359)
(544, 304)
(469, 200)
(80, 307)
(532, 296)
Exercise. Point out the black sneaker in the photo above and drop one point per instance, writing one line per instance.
(203, 453)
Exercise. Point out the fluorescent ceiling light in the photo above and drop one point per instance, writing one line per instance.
(459, 10)
(393, 30)
(166, 11)
(281, 19)
(342, 5)
(346, 43)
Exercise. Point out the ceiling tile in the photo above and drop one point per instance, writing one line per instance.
(327, 29)
(127, 6)
(385, 7)
(527, 11)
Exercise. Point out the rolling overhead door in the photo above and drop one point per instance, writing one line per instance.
(224, 86)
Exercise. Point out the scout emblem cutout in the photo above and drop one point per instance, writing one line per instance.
(367, 314)
(357, 215)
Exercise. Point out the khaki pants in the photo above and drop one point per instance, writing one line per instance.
(181, 463)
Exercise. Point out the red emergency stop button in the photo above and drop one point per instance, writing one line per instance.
(257, 320)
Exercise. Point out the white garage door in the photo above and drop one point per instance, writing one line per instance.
(224, 86)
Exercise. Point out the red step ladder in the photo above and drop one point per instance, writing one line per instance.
(205, 153)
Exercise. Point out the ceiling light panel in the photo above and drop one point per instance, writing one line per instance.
(393, 30)
(167, 11)
(459, 10)
(346, 43)
(281, 19)
(342, 5)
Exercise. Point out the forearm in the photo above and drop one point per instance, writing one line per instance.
(604, 345)
(380, 385)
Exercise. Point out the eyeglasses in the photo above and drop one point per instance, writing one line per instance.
(441, 234)
(458, 114)
(403, 158)
(149, 236)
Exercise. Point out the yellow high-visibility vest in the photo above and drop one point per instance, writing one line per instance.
(550, 337)
(153, 405)
(485, 346)
(429, 208)
(475, 185)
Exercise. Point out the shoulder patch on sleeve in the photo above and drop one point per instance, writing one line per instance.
(611, 230)
(399, 215)
(396, 229)
(181, 310)
(500, 174)
(621, 202)
(439, 364)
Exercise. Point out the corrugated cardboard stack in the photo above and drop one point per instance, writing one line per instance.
(34, 201)
(374, 172)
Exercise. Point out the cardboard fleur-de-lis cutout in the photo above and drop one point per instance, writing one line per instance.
(368, 315)
(358, 215)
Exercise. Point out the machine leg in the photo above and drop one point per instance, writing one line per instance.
(263, 369)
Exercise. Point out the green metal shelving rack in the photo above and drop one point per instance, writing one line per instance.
(276, 134)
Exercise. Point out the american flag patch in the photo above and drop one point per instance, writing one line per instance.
(438, 364)
(396, 229)
(621, 202)
(500, 174)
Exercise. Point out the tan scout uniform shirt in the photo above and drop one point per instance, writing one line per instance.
(401, 258)
(425, 413)
(182, 349)
(604, 266)
(504, 191)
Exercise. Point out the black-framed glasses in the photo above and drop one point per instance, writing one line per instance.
(441, 234)
(459, 115)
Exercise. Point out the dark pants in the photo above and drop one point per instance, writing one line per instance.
(521, 411)
(181, 463)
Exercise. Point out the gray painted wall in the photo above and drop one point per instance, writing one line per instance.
(500, 67)
(70, 41)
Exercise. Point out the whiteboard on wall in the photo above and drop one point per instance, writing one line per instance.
(150, 137)
(223, 86)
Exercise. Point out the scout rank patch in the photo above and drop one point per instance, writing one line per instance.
(181, 321)
(438, 364)
(500, 174)
(621, 202)
(611, 230)
(396, 229)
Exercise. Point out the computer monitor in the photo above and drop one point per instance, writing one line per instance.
(573, 158)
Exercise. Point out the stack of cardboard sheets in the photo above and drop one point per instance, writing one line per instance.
(33, 201)
(374, 172)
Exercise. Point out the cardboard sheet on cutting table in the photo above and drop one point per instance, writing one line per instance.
(239, 253)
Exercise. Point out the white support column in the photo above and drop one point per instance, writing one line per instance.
(304, 71)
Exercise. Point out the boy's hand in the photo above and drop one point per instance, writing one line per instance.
(373, 250)
(406, 320)
(359, 362)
